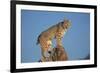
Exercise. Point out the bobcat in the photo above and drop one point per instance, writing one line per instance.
(55, 32)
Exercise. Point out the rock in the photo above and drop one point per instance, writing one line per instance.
(59, 54)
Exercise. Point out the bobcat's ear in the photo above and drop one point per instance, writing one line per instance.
(65, 20)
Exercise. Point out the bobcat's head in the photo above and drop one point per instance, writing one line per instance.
(66, 23)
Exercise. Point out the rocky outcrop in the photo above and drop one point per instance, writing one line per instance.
(58, 54)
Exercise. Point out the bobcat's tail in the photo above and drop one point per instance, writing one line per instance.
(38, 41)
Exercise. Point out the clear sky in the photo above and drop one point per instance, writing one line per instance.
(76, 40)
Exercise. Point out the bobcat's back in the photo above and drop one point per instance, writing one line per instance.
(49, 33)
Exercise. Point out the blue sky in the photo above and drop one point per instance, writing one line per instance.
(76, 40)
